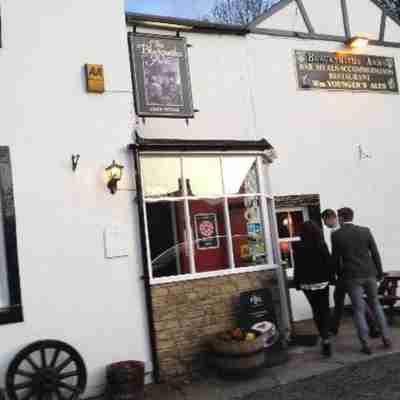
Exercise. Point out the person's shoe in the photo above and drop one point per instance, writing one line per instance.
(374, 333)
(365, 349)
(333, 332)
(326, 349)
(387, 343)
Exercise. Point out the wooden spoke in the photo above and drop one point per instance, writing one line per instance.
(43, 357)
(64, 385)
(59, 395)
(69, 374)
(24, 373)
(64, 364)
(28, 395)
(24, 385)
(32, 363)
(55, 357)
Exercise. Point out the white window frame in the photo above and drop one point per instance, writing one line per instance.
(263, 195)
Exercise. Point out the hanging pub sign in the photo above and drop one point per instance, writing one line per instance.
(354, 72)
(206, 231)
(160, 73)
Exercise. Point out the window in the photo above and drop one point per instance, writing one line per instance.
(289, 221)
(10, 297)
(205, 214)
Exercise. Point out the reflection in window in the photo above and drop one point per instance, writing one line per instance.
(247, 231)
(289, 223)
(168, 238)
(286, 254)
(208, 226)
(240, 175)
(203, 175)
(161, 176)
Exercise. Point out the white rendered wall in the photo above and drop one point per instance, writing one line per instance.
(70, 291)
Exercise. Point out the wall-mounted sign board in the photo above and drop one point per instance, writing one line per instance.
(354, 72)
(160, 74)
(94, 78)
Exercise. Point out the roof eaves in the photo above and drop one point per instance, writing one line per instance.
(185, 24)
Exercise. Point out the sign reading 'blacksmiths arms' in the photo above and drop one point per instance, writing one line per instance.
(355, 72)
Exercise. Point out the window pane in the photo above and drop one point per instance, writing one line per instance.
(286, 254)
(168, 238)
(203, 176)
(296, 218)
(161, 176)
(240, 175)
(283, 224)
(208, 225)
(289, 223)
(247, 232)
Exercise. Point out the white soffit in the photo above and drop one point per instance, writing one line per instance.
(392, 31)
(364, 18)
(326, 16)
(287, 18)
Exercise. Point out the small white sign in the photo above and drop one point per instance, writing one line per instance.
(116, 242)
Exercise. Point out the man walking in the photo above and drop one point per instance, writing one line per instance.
(330, 220)
(356, 256)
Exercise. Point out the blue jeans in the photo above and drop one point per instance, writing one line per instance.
(356, 289)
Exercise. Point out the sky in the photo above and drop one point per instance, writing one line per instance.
(175, 8)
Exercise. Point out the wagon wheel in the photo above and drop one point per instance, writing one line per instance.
(46, 370)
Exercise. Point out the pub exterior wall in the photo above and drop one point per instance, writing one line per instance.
(245, 88)
(70, 292)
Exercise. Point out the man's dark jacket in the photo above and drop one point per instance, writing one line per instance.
(355, 254)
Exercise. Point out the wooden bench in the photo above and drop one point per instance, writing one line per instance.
(387, 293)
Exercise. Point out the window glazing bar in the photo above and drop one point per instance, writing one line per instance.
(189, 231)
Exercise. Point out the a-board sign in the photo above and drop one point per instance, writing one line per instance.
(254, 307)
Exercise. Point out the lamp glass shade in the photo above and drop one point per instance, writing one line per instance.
(114, 171)
(358, 42)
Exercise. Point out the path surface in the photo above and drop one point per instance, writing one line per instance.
(375, 379)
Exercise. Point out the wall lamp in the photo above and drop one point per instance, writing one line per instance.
(113, 174)
(357, 42)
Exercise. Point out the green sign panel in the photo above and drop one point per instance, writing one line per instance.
(355, 72)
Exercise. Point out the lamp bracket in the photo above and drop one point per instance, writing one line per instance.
(75, 159)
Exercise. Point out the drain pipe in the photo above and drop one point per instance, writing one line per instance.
(146, 278)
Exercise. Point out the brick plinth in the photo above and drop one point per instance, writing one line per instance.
(187, 314)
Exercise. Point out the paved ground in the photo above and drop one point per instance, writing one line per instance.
(307, 375)
(377, 379)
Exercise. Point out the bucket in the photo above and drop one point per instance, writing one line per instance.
(125, 380)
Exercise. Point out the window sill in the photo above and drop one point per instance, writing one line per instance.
(213, 274)
(11, 315)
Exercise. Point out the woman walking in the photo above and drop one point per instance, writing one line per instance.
(312, 274)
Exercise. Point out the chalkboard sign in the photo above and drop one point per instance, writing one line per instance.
(254, 307)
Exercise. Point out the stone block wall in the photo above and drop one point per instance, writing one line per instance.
(187, 314)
